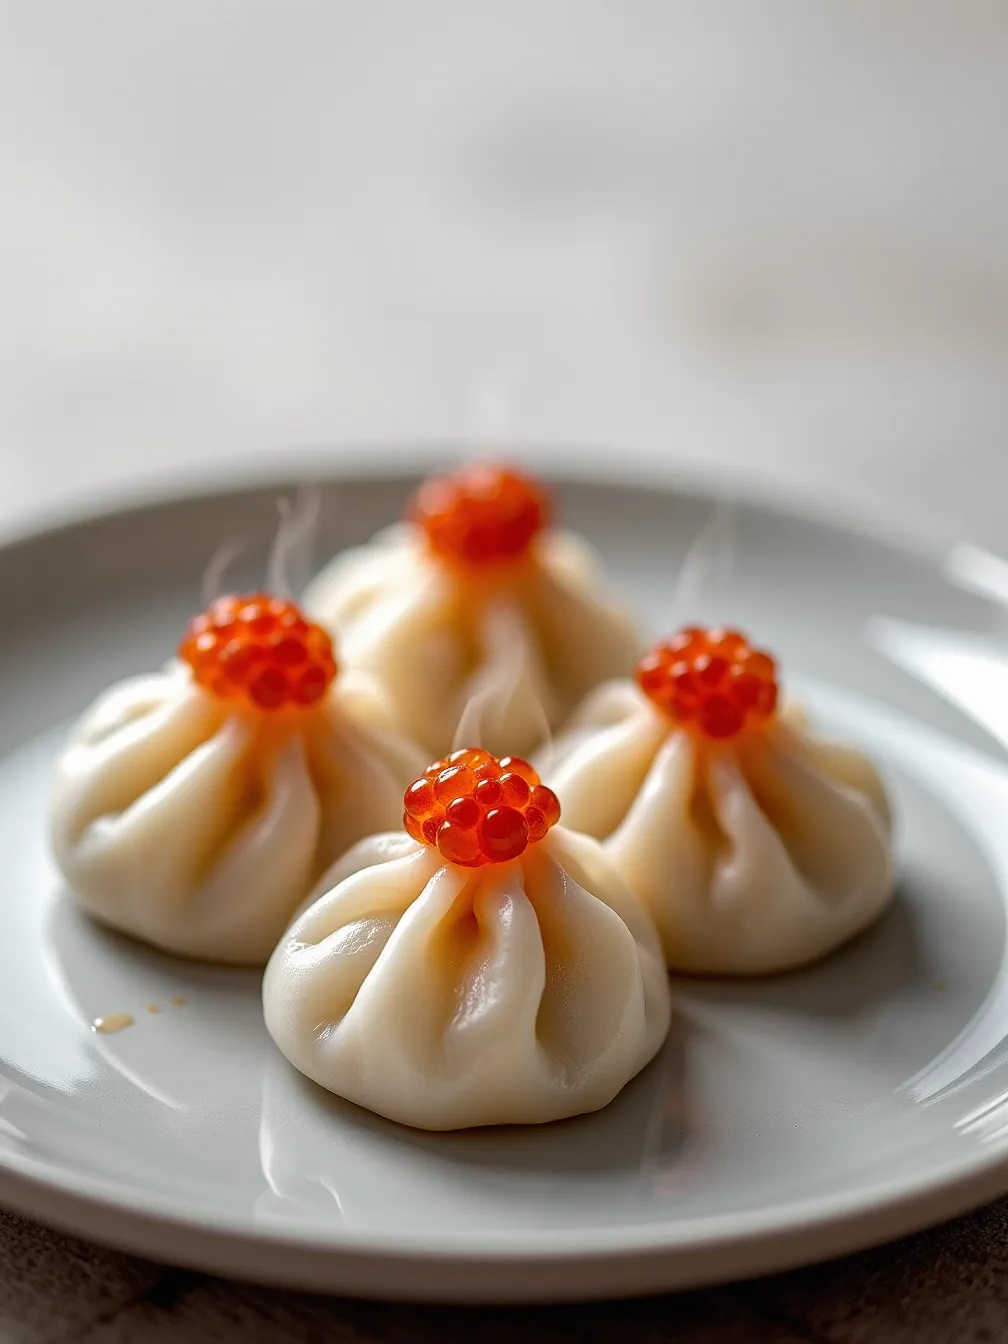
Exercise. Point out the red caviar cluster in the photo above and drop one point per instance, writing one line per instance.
(260, 649)
(480, 514)
(476, 809)
(712, 679)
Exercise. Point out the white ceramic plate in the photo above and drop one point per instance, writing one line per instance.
(785, 1120)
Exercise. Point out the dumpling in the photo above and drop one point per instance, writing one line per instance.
(754, 845)
(477, 600)
(481, 969)
(196, 808)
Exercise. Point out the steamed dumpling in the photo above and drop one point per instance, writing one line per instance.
(475, 601)
(445, 996)
(196, 808)
(754, 845)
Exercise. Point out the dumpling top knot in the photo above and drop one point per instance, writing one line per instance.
(475, 809)
(712, 680)
(260, 650)
(481, 514)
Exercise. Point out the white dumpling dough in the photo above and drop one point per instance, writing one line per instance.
(446, 997)
(525, 640)
(201, 828)
(752, 856)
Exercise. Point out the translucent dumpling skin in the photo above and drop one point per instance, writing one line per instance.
(201, 828)
(753, 855)
(445, 997)
(526, 639)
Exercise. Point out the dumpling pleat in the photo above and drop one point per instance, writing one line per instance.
(837, 761)
(586, 861)
(585, 636)
(201, 827)
(509, 994)
(269, 858)
(356, 578)
(359, 776)
(597, 774)
(130, 739)
(664, 852)
(835, 836)
(509, 699)
(412, 640)
(342, 935)
(751, 856)
(523, 641)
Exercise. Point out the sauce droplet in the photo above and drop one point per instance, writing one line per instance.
(153, 1008)
(180, 1001)
(108, 1026)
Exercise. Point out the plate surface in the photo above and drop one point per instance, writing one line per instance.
(785, 1120)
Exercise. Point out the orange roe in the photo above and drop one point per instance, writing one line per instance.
(475, 809)
(259, 649)
(712, 680)
(481, 514)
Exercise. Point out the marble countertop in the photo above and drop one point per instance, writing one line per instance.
(763, 245)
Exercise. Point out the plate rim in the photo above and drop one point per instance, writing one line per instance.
(522, 1267)
(572, 1264)
(556, 461)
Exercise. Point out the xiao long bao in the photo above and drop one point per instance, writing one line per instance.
(755, 845)
(482, 966)
(197, 807)
(477, 597)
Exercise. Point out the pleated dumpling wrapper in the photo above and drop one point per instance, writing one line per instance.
(755, 845)
(481, 968)
(196, 808)
(476, 599)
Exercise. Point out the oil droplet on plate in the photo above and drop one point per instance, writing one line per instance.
(153, 1008)
(114, 1022)
(180, 1001)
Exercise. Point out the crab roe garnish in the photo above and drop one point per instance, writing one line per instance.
(259, 649)
(480, 514)
(476, 809)
(711, 679)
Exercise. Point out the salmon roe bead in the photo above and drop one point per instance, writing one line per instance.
(475, 809)
(480, 514)
(260, 650)
(712, 680)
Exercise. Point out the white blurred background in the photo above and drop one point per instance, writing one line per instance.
(760, 243)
